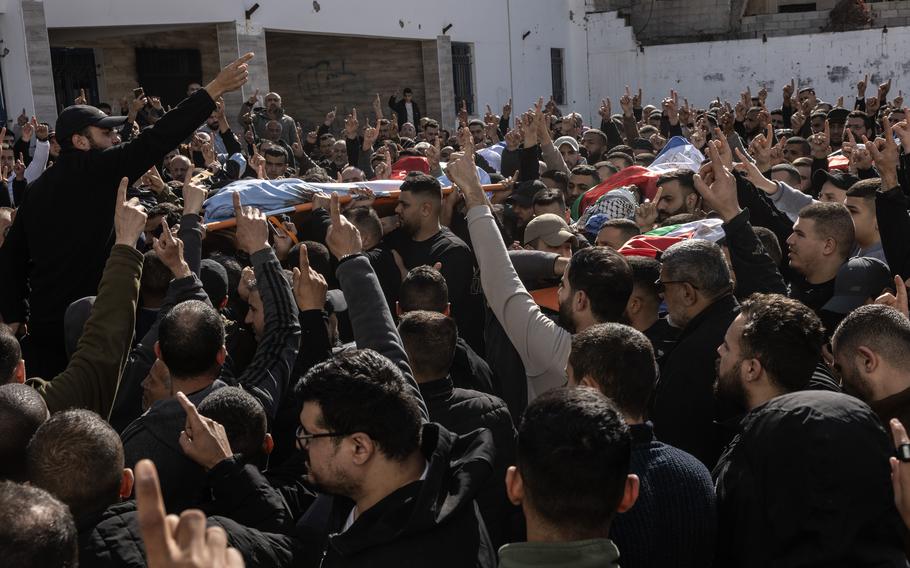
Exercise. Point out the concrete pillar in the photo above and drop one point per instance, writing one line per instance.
(25, 59)
(235, 39)
(439, 87)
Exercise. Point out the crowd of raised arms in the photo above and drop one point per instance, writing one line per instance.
(579, 355)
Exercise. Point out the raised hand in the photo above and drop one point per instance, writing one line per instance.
(507, 109)
(230, 78)
(309, 286)
(646, 213)
(81, 99)
(900, 472)
(898, 300)
(42, 131)
(671, 107)
(330, 116)
(370, 134)
(636, 100)
(861, 87)
(606, 109)
(208, 154)
(28, 129)
(760, 148)
(351, 125)
(342, 238)
(252, 227)
(753, 174)
(202, 440)
(872, 105)
(626, 103)
(797, 119)
(821, 143)
(722, 148)
(463, 173)
(789, 89)
(170, 252)
(902, 130)
(129, 217)
(883, 91)
(19, 167)
(885, 154)
(183, 542)
(194, 195)
(254, 98)
(718, 186)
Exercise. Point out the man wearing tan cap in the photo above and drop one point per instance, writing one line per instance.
(549, 233)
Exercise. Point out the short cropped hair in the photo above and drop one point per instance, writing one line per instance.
(242, 416)
(700, 263)
(35, 528)
(880, 328)
(77, 457)
(832, 221)
(620, 359)
(429, 339)
(190, 336)
(424, 288)
(605, 276)
(422, 184)
(785, 336)
(22, 412)
(362, 391)
(577, 434)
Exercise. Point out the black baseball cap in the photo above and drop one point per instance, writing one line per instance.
(524, 193)
(858, 279)
(838, 115)
(841, 180)
(76, 117)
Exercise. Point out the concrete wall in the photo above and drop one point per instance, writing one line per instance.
(494, 27)
(832, 63)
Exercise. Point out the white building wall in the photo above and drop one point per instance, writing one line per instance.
(832, 63)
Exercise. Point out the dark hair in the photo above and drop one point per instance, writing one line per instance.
(362, 391)
(604, 164)
(78, 458)
(407, 90)
(620, 360)
(422, 184)
(785, 336)
(429, 339)
(832, 221)
(366, 220)
(475, 122)
(326, 136)
(190, 336)
(156, 277)
(700, 263)
(586, 170)
(424, 288)
(804, 147)
(276, 152)
(10, 354)
(791, 171)
(867, 120)
(629, 159)
(549, 196)
(233, 269)
(574, 434)
(627, 227)
(865, 188)
(880, 328)
(22, 411)
(645, 159)
(598, 133)
(35, 528)
(430, 124)
(171, 212)
(318, 255)
(770, 242)
(606, 278)
(681, 219)
(242, 416)
(685, 178)
(645, 272)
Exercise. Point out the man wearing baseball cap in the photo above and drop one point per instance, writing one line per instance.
(43, 268)
(549, 233)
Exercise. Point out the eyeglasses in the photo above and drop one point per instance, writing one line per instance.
(303, 438)
(661, 285)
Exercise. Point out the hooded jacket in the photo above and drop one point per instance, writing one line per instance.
(430, 521)
(808, 483)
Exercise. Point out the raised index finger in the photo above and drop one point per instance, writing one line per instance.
(150, 507)
(121, 190)
(889, 134)
(660, 192)
(243, 59)
(192, 415)
(304, 261)
(335, 209)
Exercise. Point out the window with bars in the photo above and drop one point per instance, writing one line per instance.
(558, 71)
(463, 75)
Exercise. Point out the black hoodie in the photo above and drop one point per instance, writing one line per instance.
(433, 521)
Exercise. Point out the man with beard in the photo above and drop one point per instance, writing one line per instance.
(595, 288)
(678, 195)
(394, 486)
(77, 196)
(421, 239)
(697, 288)
(818, 460)
(272, 111)
(871, 357)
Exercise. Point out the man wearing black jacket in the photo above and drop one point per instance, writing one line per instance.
(45, 273)
(406, 109)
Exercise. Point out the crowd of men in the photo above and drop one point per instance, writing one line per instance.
(532, 375)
